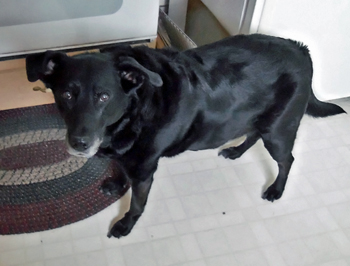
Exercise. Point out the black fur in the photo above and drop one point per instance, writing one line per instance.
(138, 104)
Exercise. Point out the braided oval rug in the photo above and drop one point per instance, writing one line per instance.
(41, 186)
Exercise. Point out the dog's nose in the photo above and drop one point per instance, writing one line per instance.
(79, 143)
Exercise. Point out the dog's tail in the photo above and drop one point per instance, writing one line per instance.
(317, 108)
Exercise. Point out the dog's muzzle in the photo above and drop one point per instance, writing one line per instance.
(82, 146)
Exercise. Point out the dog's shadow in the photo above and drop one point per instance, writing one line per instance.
(269, 173)
(263, 161)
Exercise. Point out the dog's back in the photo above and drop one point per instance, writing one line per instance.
(241, 83)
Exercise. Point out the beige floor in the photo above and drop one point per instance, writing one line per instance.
(15, 90)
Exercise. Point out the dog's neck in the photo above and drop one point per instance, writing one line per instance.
(121, 136)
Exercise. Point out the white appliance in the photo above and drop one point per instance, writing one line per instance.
(324, 26)
(28, 26)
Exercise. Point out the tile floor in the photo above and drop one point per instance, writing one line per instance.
(205, 210)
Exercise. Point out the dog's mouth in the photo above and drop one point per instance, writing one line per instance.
(88, 152)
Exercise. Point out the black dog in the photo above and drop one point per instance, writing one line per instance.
(139, 104)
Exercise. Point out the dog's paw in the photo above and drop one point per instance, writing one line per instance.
(121, 228)
(113, 187)
(272, 194)
(230, 153)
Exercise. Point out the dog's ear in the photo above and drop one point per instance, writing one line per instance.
(133, 74)
(43, 65)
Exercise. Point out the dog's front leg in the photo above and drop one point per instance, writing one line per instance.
(140, 191)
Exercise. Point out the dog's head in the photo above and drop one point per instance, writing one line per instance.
(92, 92)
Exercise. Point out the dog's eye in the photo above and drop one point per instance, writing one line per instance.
(67, 95)
(104, 97)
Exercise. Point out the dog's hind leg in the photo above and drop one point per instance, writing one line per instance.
(236, 152)
(279, 142)
(278, 126)
(275, 191)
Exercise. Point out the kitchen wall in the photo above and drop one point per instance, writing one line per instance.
(209, 21)
(201, 24)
